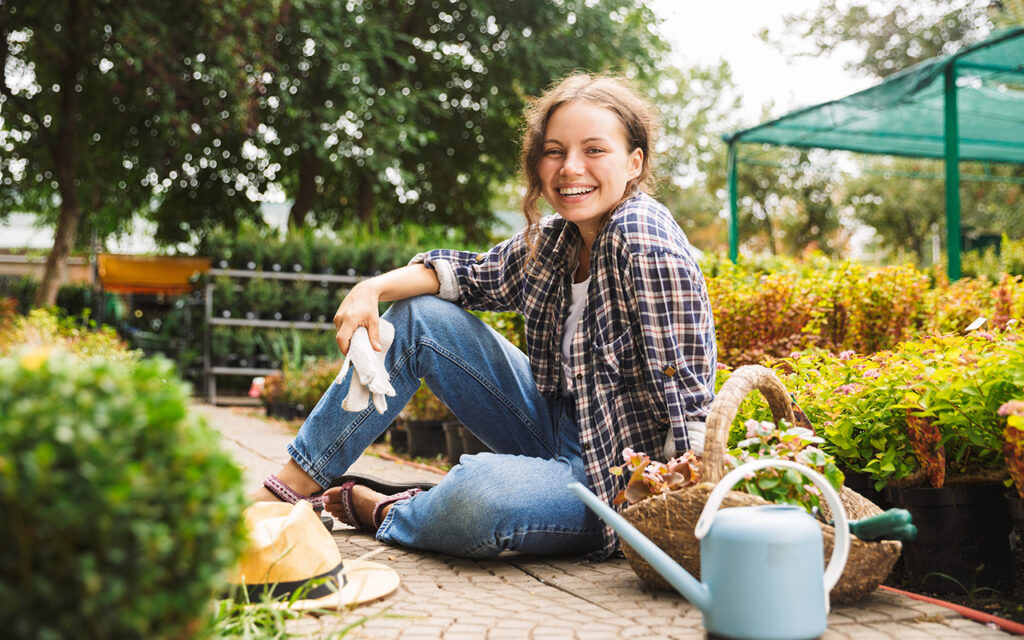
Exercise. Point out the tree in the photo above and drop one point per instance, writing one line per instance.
(697, 105)
(903, 200)
(104, 102)
(385, 112)
(892, 36)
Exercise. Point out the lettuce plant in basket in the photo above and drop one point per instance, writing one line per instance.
(784, 442)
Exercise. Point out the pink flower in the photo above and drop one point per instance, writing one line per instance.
(1012, 408)
(872, 373)
(846, 355)
(628, 453)
(847, 389)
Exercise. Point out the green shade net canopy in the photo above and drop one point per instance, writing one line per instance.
(965, 106)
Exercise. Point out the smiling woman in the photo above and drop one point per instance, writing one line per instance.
(620, 349)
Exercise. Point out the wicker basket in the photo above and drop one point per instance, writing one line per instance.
(668, 519)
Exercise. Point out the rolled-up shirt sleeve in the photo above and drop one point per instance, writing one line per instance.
(678, 337)
(487, 281)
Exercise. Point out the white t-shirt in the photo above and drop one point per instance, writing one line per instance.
(572, 322)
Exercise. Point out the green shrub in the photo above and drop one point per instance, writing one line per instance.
(860, 403)
(120, 514)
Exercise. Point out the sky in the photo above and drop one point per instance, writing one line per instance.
(706, 32)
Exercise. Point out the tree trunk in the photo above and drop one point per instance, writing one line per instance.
(64, 159)
(366, 200)
(308, 167)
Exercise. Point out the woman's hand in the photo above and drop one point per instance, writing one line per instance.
(360, 306)
(359, 309)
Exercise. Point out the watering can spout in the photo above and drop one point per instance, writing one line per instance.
(698, 594)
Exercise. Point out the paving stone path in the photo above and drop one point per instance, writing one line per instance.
(533, 598)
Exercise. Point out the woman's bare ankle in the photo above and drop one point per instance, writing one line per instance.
(365, 500)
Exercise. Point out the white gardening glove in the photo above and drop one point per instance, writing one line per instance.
(370, 378)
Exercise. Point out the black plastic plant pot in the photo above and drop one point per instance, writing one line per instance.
(1016, 506)
(398, 438)
(426, 438)
(453, 440)
(963, 537)
(863, 484)
(472, 444)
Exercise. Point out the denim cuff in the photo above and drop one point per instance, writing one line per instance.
(445, 275)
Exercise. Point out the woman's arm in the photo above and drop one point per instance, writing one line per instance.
(360, 306)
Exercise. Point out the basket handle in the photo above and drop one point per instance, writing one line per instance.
(726, 405)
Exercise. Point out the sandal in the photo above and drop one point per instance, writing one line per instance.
(380, 485)
(348, 507)
(285, 493)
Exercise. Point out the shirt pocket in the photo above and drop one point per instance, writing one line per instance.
(616, 363)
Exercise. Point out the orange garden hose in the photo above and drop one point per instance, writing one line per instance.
(978, 616)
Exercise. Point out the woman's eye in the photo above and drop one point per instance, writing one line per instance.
(553, 153)
(593, 150)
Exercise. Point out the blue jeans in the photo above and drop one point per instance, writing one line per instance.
(512, 500)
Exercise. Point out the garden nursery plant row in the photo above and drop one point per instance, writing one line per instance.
(903, 385)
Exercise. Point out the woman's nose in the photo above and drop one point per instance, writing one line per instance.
(573, 164)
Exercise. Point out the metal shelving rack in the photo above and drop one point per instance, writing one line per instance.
(211, 372)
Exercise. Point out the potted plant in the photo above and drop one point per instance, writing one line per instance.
(221, 345)
(423, 420)
(296, 299)
(324, 255)
(249, 248)
(297, 251)
(225, 296)
(922, 420)
(244, 340)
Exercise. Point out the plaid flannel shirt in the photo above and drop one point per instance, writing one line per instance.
(644, 354)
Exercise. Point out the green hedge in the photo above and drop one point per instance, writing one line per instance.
(119, 512)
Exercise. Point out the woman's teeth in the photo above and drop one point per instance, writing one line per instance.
(575, 191)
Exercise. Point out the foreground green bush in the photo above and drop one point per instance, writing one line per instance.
(117, 510)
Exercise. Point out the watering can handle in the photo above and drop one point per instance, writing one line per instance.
(841, 545)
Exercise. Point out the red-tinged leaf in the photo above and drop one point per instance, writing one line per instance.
(926, 442)
(637, 491)
(1013, 451)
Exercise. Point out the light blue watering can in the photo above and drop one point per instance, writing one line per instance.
(763, 567)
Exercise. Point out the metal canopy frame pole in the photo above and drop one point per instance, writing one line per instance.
(734, 215)
(952, 144)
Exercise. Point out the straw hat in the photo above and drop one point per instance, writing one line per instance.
(289, 546)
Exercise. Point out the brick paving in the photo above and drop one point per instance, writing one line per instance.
(536, 598)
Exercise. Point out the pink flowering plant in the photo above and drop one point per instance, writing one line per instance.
(784, 486)
(648, 477)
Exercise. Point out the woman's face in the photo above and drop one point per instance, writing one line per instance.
(586, 163)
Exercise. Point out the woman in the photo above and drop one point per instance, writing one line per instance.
(619, 336)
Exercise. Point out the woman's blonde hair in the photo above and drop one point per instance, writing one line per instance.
(637, 114)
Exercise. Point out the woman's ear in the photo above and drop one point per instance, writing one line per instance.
(636, 162)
